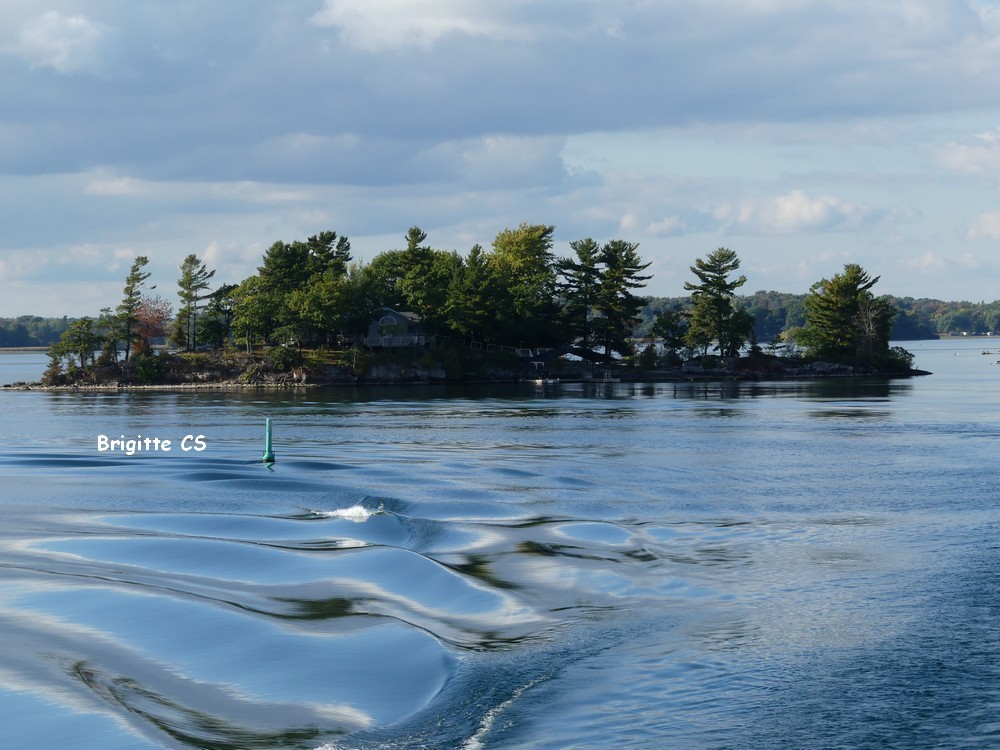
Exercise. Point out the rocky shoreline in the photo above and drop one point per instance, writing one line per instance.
(742, 369)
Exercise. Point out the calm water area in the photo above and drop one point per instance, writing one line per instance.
(698, 565)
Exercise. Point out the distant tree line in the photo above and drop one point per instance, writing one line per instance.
(775, 313)
(31, 330)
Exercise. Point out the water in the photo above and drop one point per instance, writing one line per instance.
(771, 565)
(20, 366)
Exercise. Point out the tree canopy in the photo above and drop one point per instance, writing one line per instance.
(714, 318)
(844, 320)
(515, 293)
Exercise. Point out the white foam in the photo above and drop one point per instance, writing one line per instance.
(356, 513)
(476, 741)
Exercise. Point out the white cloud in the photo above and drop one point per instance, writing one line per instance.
(796, 211)
(931, 263)
(667, 226)
(386, 24)
(67, 44)
(977, 156)
(985, 227)
(116, 186)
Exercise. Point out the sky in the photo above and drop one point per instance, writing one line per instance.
(803, 135)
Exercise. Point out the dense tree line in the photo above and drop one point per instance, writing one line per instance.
(312, 293)
(516, 292)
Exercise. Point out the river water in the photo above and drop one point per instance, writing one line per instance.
(768, 565)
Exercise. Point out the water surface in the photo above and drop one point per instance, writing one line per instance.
(711, 565)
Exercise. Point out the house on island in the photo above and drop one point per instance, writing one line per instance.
(395, 329)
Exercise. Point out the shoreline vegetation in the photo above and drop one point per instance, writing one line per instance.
(290, 368)
(311, 316)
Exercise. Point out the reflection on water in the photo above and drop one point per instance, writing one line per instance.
(633, 565)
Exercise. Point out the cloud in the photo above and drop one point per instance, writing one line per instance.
(978, 155)
(670, 225)
(119, 186)
(931, 263)
(67, 44)
(387, 24)
(796, 211)
(985, 227)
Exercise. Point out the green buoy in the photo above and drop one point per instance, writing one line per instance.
(268, 453)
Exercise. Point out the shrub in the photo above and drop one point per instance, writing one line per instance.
(148, 368)
(284, 358)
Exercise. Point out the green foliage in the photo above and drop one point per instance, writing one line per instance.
(525, 306)
(148, 368)
(616, 307)
(648, 358)
(579, 288)
(596, 292)
(217, 321)
(285, 358)
(714, 317)
(425, 280)
(127, 318)
(31, 330)
(296, 288)
(191, 289)
(80, 339)
(472, 297)
(53, 374)
(899, 359)
(844, 320)
(670, 326)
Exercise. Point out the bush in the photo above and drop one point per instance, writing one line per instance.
(648, 358)
(899, 360)
(284, 358)
(148, 368)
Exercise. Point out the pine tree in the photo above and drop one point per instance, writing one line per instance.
(127, 310)
(617, 307)
(844, 320)
(579, 288)
(192, 285)
(713, 316)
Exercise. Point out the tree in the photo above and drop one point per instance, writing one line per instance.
(285, 276)
(152, 316)
(844, 320)
(522, 259)
(471, 299)
(713, 316)
(79, 339)
(191, 289)
(423, 280)
(617, 308)
(328, 254)
(670, 326)
(386, 271)
(217, 321)
(362, 303)
(253, 306)
(132, 299)
(579, 288)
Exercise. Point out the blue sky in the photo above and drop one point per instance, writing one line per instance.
(803, 135)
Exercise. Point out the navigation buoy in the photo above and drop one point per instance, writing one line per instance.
(268, 453)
